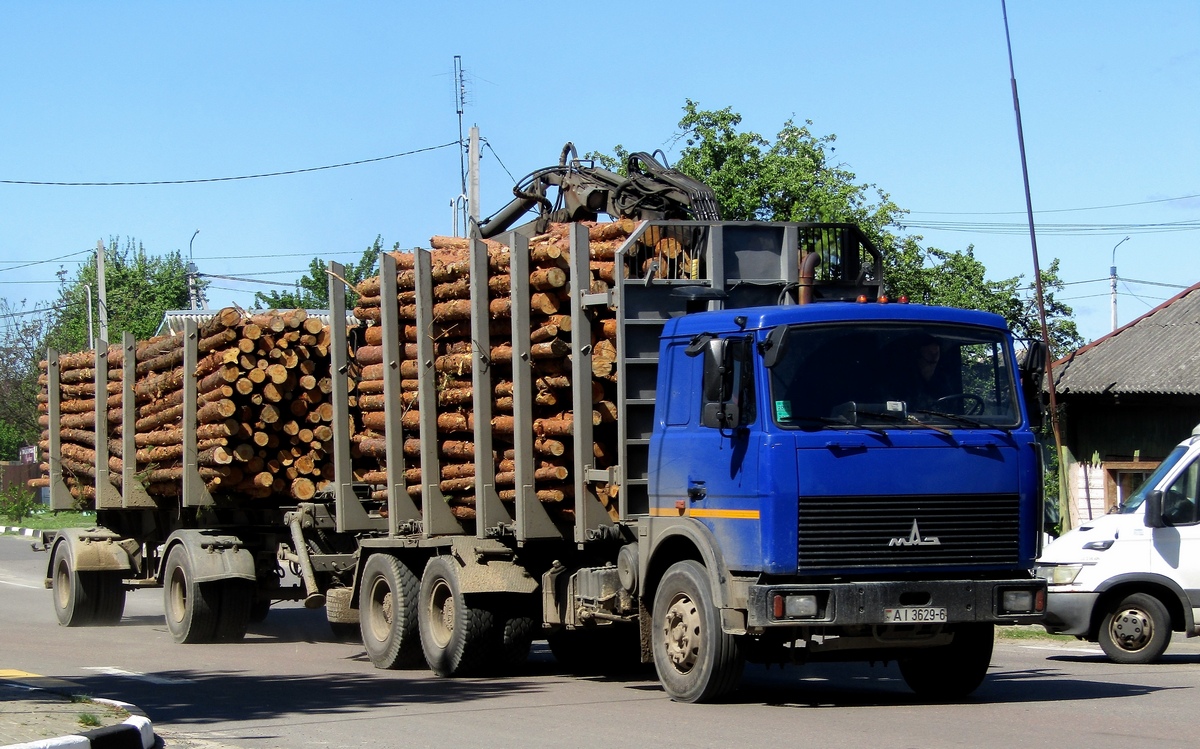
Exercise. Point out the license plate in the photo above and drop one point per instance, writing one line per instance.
(914, 615)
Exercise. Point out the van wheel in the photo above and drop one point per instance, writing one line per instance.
(1136, 630)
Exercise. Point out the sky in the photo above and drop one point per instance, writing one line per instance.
(918, 95)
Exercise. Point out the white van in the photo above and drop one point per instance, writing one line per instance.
(1130, 578)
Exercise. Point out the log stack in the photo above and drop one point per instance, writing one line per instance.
(550, 283)
(263, 410)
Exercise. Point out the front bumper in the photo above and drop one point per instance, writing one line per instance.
(864, 603)
(1069, 613)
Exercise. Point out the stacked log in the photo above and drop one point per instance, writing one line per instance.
(264, 413)
(550, 282)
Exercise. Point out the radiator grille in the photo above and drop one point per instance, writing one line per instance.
(860, 532)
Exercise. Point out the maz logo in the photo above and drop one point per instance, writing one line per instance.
(914, 538)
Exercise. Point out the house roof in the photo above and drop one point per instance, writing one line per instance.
(1158, 353)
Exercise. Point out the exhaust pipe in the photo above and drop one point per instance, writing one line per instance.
(808, 275)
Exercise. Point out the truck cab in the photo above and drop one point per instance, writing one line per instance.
(1132, 577)
(861, 477)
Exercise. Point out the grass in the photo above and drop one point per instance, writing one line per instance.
(53, 520)
(89, 720)
(1030, 632)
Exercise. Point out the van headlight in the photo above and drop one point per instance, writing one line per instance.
(1059, 574)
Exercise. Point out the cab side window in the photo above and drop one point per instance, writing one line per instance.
(1179, 501)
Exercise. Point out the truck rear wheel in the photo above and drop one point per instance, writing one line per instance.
(696, 661)
(457, 638)
(75, 592)
(236, 602)
(1136, 630)
(387, 610)
(952, 671)
(191, 607)
(110, 596)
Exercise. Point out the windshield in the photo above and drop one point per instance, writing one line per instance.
(894, 375)
(1135, 500)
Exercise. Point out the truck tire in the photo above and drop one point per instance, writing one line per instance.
(110, 597)
(191, 607)
(952, 671)
(233, 616)
(457, 638)
(75, 592)
(696, 661)
(517, 625)
(1135, 630)
(387, 610)
(343, 620)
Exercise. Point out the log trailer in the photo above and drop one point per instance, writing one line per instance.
(755, 483)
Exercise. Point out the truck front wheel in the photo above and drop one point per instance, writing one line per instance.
(696, 661)
(952, 671)
(1136, 630)
(387, 611)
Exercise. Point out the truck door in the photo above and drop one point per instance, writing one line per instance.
(705, 453)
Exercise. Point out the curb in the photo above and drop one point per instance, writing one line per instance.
(18, 530)
(137, 732)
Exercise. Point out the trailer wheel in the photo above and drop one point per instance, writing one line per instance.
(387, 612)
(343, 620)
(457, 637)
(75, 592)
(518, 625)
(110, 596)
(191, 607)
(953, 671)
(1136, 630)
(696, 661)
(233, 616)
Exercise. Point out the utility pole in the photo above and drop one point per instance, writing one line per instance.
(473, 184)
(103, 290)
(1112, 278)
(191, 275)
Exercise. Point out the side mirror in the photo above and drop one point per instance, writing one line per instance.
(1035, 359)
(727, 397)
(1153, 508)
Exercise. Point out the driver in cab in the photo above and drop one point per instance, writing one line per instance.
(920, 382)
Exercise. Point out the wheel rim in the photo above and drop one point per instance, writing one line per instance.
(1131, 629)
(380, 619)
(177, 607)
(681, 633)
(62, 584)
(441, 613)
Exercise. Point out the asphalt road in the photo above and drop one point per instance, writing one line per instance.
(290, 684)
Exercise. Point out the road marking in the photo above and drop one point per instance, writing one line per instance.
(22, 585)
(12, 673)
(150, 678)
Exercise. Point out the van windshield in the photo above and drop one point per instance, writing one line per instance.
(894, 375)
(1135, 500)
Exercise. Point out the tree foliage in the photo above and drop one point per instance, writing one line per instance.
(21, 334)
(794, 177)
(139, 289)
(312, 290)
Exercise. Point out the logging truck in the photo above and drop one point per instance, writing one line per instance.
(686, 442)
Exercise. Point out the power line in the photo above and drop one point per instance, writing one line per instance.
(1058, 229)
(43, 262)
(245, 280)
(227, 179)
(1055, 210)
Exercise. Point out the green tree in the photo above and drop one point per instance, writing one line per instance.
(139, 289)
(312, 290)
(794, 177)
(22, 332)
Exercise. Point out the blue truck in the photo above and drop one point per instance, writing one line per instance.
(793, 469)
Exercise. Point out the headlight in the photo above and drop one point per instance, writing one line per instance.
(1059, 574)
(1099, 545)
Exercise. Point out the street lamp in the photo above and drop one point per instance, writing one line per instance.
(1112, 279)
